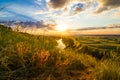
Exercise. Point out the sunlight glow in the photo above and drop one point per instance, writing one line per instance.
(61, 27)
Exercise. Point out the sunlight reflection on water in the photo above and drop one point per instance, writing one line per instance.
(60, 45)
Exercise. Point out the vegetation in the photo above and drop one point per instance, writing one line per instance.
(29, 57)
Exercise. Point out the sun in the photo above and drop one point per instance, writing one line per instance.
(62, 27)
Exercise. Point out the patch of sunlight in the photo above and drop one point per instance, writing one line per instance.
(60, 45)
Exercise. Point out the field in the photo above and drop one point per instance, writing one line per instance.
(32, 57)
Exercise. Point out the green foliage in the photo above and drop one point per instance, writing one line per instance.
(108, 70)
(29, 57)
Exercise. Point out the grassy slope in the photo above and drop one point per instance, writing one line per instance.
(29, 57)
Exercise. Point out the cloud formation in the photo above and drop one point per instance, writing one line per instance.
(67, 6)
(77, 8)
(116, 14)
(57, 3)
(106, 5)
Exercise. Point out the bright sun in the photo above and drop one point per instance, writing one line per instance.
(62, 27)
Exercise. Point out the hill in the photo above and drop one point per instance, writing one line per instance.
(29, 57)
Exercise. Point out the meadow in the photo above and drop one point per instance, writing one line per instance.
(33, 57)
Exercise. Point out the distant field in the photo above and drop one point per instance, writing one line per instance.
(108, 31)
(31, 57)
(101, 42)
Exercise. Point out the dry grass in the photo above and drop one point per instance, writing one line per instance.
(28, 57)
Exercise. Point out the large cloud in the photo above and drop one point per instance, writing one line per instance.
(106, 5)
(71, 7)
(61, 3)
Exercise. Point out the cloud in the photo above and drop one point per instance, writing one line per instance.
(3, 7)
(41, 12)
(116, 14)
(5, 14)
(69, 7)
(44, 25)
(57, 3)
(77, 8)
(106, 5)
(42, 4)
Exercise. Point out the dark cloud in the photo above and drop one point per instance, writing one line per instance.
(57, 3)
(106, 5)
(112, 3)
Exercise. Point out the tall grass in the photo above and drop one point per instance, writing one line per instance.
(29, 57)
(108, 70)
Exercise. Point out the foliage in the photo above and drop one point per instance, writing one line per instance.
(31, 57)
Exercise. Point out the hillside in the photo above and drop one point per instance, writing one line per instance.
(29, 57)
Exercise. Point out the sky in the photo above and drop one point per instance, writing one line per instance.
(74, 13)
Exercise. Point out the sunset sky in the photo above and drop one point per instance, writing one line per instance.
(74, 13)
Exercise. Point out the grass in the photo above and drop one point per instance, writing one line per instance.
(31, 57)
